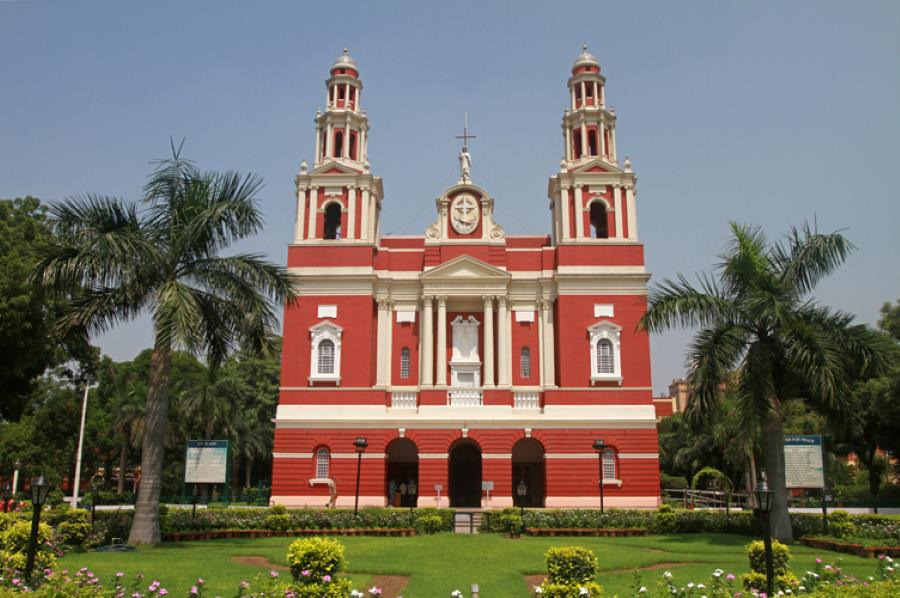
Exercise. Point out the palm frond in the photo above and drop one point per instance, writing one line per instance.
(677, 303)
(713, 354)
(745, 265)
(806, 257)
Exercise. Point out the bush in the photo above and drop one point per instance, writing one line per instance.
(665, 521)
(840, 525)
(559, 590)
(74, 528)
(757, 581)
(570, 565)
(312, 559)
(672, 482)
(336, 588)
(781, 554)
(14, 546)
(278, 518)
(431, 520)
(510, 521)
(430, 524)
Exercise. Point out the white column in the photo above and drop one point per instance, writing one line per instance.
(584, 145)
(502, 343)
(603, 149)
(441, 378)
(427, 325)
(612, 142)
(488, 342)
(329, 132)
(568, 143)
(617, 206)
(318, 157)
(564, 205)
(583, 97)
(596, 94)
(363, 152)
(630, 212)
(548, 349)
(541, 351)
(313, 207)
(579, 211)
(381, 343)
(573, 97)
(345, 150)
(351, 213)
(364, 216)
(389, 343)
(301, 215)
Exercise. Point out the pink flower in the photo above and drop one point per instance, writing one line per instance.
(194, 590)
(305, 573)
(818, 560)
(163, 592)
(730, 577)
(200, 581)
(120, 574)
(326, 579)
(273, 574)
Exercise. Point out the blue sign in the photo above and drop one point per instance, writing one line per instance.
(206, 462)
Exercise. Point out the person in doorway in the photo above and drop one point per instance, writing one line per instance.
(392, 489)
(403, 489)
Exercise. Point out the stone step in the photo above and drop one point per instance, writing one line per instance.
(466, 522)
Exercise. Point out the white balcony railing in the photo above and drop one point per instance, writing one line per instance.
(464, 397)
(403, 400)
(526, 399)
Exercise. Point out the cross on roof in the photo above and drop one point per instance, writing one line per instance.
(465, 136)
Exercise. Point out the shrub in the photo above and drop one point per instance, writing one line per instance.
(430, 524)
(570, 565)
(840, 525)
(336, 588)
(781, 554)
(665, 521)
(312, 559)
(74, 528)
(757, 581)
(559, 590)
(14, 546)
(431, 520)
(510, 521)
(710, 478)
(672, 482)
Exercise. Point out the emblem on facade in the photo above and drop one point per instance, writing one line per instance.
(464, 214)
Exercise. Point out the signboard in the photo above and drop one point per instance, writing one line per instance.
(206, 462)
(803, 466)
(487, 486)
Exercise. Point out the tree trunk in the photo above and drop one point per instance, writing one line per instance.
(123, 460)
(874, 481)
(248, 470)
(773, 445)
(145, 528)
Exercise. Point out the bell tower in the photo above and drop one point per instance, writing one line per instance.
(592, 197)
(339, 201)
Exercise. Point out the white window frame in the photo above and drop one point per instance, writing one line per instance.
(325, 330)
(405, 360)
(525, 362)
(609, 464)
(323, 464)
(609, 331)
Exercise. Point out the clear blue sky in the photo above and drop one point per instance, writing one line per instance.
(758, 112)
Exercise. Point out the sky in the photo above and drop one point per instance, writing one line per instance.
(771, 113)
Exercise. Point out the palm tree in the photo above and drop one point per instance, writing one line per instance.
(758, 319)
(115, 261)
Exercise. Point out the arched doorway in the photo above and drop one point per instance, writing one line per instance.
(402, 482)
(465, 474)
(528, 467)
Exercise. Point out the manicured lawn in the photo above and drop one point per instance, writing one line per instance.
(439, 564)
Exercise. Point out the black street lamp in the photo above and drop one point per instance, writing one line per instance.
(95, 496)
(360, 445)
(522, 492)
(195, 497)
(39, 491)
(600, 446)
(764, 500)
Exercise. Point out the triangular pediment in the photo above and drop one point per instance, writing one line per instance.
(463, 267)
(596, 165)
(330, 167)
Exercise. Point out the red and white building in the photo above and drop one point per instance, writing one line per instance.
(467, 358)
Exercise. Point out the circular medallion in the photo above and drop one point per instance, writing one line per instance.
(464, 214)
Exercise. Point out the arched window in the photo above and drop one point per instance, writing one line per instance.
(576, 139)
(333, 221)
(592, 143)
(609, 464)
(323, 462)
(525, 362)
(606, 363)
(326, 357)
(599, 227)
(404, 362)
(353, 144)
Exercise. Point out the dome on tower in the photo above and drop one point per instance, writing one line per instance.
(586, 59)
(344, 61)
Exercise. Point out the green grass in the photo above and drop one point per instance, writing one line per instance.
(441, 563)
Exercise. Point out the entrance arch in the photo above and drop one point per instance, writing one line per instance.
(402, 482)
(465, 474)
(528, 466)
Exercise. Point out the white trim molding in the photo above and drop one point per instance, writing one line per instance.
(606, 330)
(325, 330)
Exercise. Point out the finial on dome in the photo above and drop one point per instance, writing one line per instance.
(583, 47)
(344, 61)
(586, 59)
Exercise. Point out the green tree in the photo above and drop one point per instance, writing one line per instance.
(114, 261)
(757, 319)
(28, 343)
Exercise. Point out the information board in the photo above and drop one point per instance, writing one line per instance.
(206, 462)
(803, 466)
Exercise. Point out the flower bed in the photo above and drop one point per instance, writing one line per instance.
(584, 531)
(867, 550)
(268, 533)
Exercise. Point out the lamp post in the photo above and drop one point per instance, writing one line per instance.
(360, 445)
(87, 387)
(764, 499)
(522, 492)
(600, 446)
(95, 496)
(195, 496)
(39, 491)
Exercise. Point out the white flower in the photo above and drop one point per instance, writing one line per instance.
(690, 585)
(642, 589)
(583, 592)
(456, 594)
(700, 586)
(718, 573)
(802, 588)
(538, 590)
(667, 575)
(357, 594)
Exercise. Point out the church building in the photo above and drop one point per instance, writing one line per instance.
(466, 367)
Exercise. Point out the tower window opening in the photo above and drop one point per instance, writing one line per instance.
(599, 226)
(338, 144)
(578, 100)
(326, 357)
(353, 151)
(525, 362)
(606, 139)
(576, 138)
(323, 460)
(333, 221)
(404, 362)
(342, 92)
(605, 361)
(592, 142)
